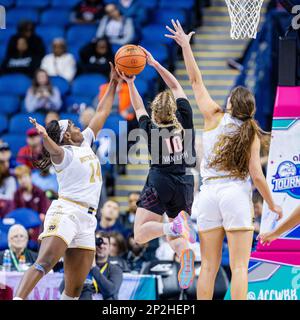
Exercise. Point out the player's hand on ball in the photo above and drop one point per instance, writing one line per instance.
(125, 77)
(267, 238)
(113, 73)
(40, 129)
(150, 60)
(178, 34)
(277, 209)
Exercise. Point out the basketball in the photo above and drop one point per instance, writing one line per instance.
(130, 59)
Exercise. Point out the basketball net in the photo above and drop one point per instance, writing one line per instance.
(244, 17)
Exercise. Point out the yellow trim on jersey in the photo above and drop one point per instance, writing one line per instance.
(41, 237)
(82, 204)
(212, 229)
(220, 177)
(216, 126)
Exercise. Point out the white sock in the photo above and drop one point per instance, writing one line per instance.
(65, 297)
(167, 228)
(17, 298)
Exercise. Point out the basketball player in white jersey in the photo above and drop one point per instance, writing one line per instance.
(70, 223)
(231, 143)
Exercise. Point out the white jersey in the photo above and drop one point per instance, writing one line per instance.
(79, 174)
(210, 138)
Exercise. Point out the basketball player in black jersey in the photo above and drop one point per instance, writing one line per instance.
(169, 187)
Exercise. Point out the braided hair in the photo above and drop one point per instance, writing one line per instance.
(53, 130)
(163, 111)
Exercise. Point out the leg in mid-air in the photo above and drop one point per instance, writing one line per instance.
(80, 260)
(239, 244)
(211, 254)
(51, 250)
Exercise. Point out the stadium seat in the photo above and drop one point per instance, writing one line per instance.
(74, 49)
(163, 17)
(150, 4)
(3, 123)
(149, 74)
(33, 3)
(142, 86)
(88, 84)
(48, 33)
(14, 16)
(159, 51)
(74, 99)
(60, 16)
(64, 3)
(5, 36)
(7, 3)
(9, 104)
(155, 33)
(26, 217)
(3, 240)
(81, 34)
(19, 123)
(15, 141)
(71, 116)
(15, 84)
(112, 122)
(174, 4)
(61, 83)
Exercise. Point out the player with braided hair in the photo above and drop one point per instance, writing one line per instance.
(70, 223)
(170, 186)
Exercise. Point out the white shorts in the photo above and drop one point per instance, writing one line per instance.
(72, 223)
(224, 204)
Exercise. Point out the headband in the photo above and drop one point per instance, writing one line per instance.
(63, 125)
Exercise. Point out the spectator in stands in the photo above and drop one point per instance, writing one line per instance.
(122, 102)
(46, 180)
(110, 213)
(42, 95)
(20, 59)
(86, 116)
(95, 57)
(133, 9)
(105, 277)
(117, 28)
(32, 151)
(30, 196)
(60, 62)
(138, 254)
(127, 219)
(88, 11)
(118, 250)
(8, 184)
(17, 242)
(50, 116)
(36, 45)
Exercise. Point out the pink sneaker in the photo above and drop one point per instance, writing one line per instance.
(186, 273)
(182, 225)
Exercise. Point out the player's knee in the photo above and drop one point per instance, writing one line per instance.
(239, 268)
(210, 267)
(47, 263)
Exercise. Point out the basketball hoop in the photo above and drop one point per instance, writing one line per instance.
(244, 17)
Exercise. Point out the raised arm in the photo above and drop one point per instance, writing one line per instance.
(56, 152)
(259, 179)
(105, 104)
(136, 99)
(207, 106)
(166, 75)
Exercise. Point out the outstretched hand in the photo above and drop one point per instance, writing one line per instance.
(40, 129)
(178, 34)
(150, 60)
(128, 79)
(267, 238)
(113, 73)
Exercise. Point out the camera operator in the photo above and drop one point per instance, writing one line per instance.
(104, 277)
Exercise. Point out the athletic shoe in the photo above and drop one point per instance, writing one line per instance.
(183, 225)
(186, 273)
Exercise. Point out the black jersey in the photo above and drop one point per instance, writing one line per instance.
(171, 150)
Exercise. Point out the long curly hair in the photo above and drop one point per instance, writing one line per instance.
(164, 111)
(232, 151)
(53, 130)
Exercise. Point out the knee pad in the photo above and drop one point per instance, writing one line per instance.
(39, 268)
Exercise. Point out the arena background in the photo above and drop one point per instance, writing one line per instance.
(150, 270)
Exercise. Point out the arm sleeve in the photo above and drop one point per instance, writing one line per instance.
(186, 114)
(68, 157)
(88, 136)
(108, 286)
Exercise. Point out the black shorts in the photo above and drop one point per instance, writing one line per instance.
(167, 193)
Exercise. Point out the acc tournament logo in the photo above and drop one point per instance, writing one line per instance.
(287, 179)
